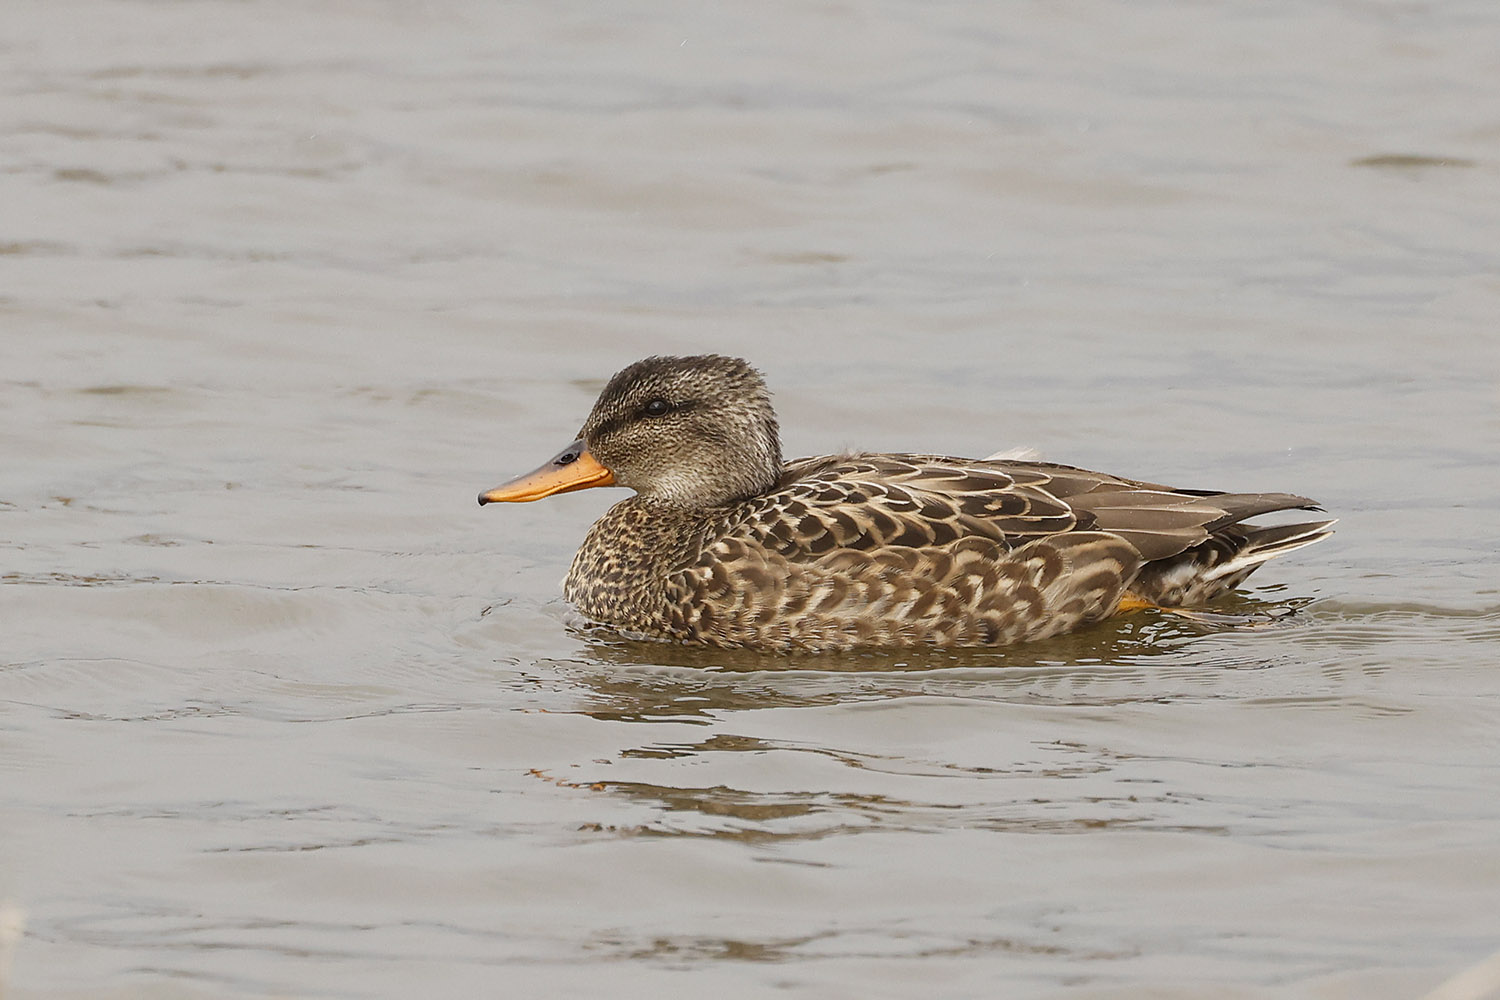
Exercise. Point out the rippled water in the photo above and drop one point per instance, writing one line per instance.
(284, 285)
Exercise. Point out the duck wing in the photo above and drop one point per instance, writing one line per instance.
(1160, 521)
(898, 550)
(868, 501)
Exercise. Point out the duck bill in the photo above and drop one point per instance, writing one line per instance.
(573, 468)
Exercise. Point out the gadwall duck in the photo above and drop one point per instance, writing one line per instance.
(723, 544)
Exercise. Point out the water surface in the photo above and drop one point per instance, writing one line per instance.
(282, 713)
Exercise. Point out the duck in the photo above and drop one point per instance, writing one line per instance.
(724, 544)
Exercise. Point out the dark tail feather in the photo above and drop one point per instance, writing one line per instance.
(1262, 543)
(1207, 570)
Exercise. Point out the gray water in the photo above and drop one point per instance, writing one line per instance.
(283, 285)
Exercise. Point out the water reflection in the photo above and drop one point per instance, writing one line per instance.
(789, 815)
(854, 941)
(1146, 657)
(1073, 735)
(1120, 640)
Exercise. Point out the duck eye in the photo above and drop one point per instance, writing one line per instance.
(656, 408)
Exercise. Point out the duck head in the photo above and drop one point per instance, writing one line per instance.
(696, 432)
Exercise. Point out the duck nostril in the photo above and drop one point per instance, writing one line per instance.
(567, 458)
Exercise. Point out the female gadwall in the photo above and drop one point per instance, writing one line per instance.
(723, 544)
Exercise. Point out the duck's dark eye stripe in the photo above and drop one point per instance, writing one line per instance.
(651, 409)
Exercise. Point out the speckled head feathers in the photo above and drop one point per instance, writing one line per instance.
(696, 431)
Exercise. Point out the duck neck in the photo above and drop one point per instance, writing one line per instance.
(619, 575)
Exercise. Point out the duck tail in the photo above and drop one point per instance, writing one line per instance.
(1211, 568)
(1261, 543)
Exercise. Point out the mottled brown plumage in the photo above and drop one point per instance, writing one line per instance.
(725, 545)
